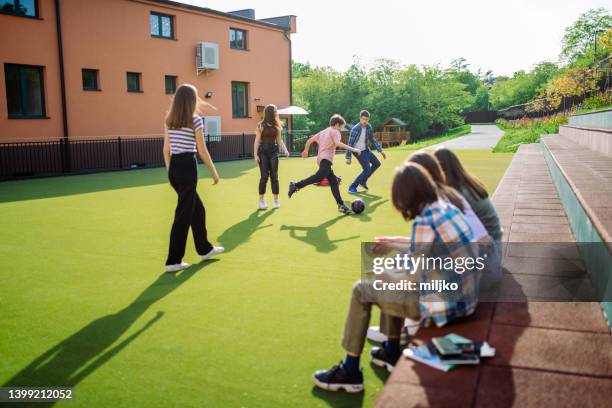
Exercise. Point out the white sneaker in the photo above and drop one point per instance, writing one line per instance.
(411, 326)
(177, 267)
(276, 204)
(263, 205)
(375, 335)
(213, 252)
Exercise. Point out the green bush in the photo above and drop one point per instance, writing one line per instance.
(525, 131)
(601, 100)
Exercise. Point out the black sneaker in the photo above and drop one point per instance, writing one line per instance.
(337, 378)
(382, 359)
(292, 188)
(344, 209)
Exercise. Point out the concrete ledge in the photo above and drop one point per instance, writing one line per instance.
(600, 119)
(597, 139)
(584, 181)
(589, 176)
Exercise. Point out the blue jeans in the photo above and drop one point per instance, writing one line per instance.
(369, 163)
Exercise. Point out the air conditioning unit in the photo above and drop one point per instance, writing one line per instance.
(212, 128)
(207, 56)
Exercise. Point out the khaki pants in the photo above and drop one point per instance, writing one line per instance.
(358, 318)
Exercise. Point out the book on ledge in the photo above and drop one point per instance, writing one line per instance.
(449, 351)
(428, 355)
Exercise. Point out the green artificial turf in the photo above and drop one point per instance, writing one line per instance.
(85, 302)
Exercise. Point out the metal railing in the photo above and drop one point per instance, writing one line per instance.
(23, 159)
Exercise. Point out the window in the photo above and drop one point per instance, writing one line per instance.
(240, 99)
(28, 8)
(170, 81)
(162, 25)
(238, 39)
(133, 82)
(24, 91)
(90, 79)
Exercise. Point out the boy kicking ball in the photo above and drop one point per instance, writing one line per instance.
(328, 141)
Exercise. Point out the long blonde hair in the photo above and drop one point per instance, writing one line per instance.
(185, 104)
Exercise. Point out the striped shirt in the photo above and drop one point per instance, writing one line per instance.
(183, 140)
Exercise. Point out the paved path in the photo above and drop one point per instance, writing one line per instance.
(482, 137)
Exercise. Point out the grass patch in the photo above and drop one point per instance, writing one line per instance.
(513, 138)
(525, 131)
(85, 302)
(591, 110)
(450, 134)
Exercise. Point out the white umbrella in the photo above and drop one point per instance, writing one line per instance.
(292, 110)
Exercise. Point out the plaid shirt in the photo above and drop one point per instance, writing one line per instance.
(442, 231)
(354, 136)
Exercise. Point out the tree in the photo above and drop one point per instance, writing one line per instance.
(523, 86)
(299, 70)
(459, 64)
(578, 40)
(428, 99)
(573, 82)
(481, 100)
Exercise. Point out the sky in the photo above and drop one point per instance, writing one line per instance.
(503, 36)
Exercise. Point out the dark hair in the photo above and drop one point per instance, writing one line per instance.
(457, 176)
(364, 113)
(336, 120)
(412, 189)
(432, 166)
(270, 118)
(185, 104)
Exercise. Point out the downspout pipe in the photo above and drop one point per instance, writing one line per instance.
(288, 38)
(60, 51)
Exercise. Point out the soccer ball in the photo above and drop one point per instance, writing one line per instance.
(358, 206)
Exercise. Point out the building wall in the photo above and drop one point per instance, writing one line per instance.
(31, 41)
(113, 36)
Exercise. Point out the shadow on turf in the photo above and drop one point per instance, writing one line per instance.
(372, 202)
(339, 399)
(317, 236)
(73, 359)
(21, 190)
(240, 232)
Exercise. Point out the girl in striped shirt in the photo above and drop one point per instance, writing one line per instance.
(183, 138)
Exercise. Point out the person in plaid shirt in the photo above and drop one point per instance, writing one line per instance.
(439, 229)
(442, 229)
(361, 136)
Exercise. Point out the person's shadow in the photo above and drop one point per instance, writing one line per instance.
(494, 378)
(372, 202)
(240, 232)
(317, 236)
(71, 360)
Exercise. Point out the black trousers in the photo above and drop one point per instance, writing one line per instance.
(268, 167)
(325, 171)
(190, 212)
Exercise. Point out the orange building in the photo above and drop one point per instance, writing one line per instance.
(74, 68)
